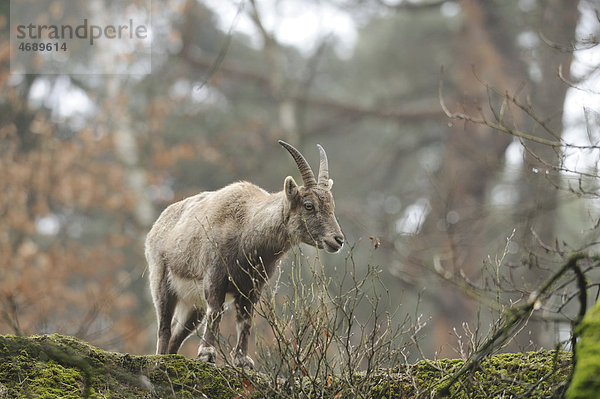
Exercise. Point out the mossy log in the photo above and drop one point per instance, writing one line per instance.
(56, 366)
(586, 378)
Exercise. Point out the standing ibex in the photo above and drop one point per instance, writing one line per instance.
(228, 242)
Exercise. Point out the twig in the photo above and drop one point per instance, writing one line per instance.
(501, 127)
(512, 318)
(573, 84)
(216, 64)
(496, 126)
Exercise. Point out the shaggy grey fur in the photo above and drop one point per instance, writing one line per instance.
(227, 243)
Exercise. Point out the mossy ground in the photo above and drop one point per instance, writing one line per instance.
(55, 366)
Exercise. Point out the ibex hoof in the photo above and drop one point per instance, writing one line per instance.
(243, 361)
(207, 354)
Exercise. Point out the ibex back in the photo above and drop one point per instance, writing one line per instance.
(228, 242)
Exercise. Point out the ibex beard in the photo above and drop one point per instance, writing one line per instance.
(228, 243)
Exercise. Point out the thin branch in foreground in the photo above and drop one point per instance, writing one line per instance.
(514, 317)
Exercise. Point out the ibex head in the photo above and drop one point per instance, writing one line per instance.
(309, 209)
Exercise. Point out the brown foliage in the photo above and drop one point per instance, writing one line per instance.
(57, 271)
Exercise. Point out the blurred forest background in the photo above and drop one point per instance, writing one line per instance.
(439, 204)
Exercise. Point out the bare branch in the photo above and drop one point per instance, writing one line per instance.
(412, 6)
(570, 48)
(573, 84)
(496, 126)
(501, 127)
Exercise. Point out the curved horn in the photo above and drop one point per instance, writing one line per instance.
(323, 168)
(308, 176)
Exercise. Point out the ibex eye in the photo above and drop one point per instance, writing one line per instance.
(308, 206)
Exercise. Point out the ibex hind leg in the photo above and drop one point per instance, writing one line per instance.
(164, 303)
(185, 322)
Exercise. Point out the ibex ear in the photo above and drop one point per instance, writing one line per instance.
(290, 188)
(329, 184)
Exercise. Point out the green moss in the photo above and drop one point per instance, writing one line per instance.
(585, 383)
(536, 374)
(61, 367)
(55, 366)
(532, 374)
(52, 380)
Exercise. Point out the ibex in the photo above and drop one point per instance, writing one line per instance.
(227, 243)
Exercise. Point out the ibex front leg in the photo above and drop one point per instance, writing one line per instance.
(215, 296)
(243, 306)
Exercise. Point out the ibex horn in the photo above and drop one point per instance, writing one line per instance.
(323, 168)
(308, 176)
